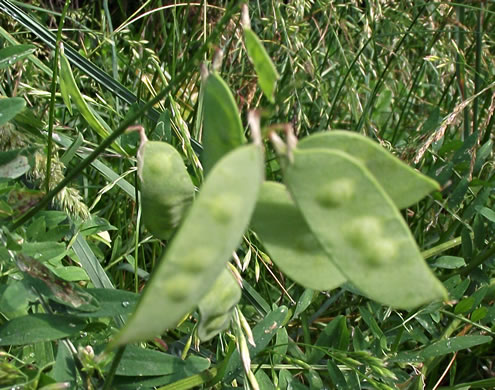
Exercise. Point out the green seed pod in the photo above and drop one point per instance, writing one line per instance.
(222, 126)
(403, 184)
(184, 273)
(366, 236)
(216, 307)
(166, 187)
(291, 244)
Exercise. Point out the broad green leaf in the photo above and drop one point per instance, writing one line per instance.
(48, 251)
(69, 87)
(112, 303)
(263, 332)
(289, 241)
(328, 338)
(264, 380)
(448, 262)
(167, 190)
(145, 362)
(201, 246)
(222, 126)
(64, 369)
(10, 107)
(38, 327)
(263, 65)
(336, 376)
(15, 163)
(358, 225)
(10, 55)
(403, 184)
(216, 307)
(453, 344)
(53, 287)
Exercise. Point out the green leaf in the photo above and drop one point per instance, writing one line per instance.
(303, 302)
(336, 375)
(448, 262)
(263, 65)
(328, 338)
(403, 184)
(38, 327)
(264, 380)
(263, 332)
(453, 344)
(202, 245)
(10, 55)
(464, 306)
(222, 126)
(15, 163)
(145, 362)
(289, 241)
(9, 108)
(358, 225)
(487, 213)
(112, 303)
(69, 88)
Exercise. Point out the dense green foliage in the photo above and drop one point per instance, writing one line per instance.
(416, 78)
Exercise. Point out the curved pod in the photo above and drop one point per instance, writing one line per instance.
(166, 187)
(222, 126)
(291, 244)
(203, 244)
(359, 226)
(263, 65)
(403, 184)
(216, 307)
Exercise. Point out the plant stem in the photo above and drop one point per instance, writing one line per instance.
(53, 88)
(113, 368)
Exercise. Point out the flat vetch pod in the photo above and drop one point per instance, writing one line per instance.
(222, 126)
(263, 65)
(403, 184)
(290, 242)
(366, 236)
(216, 307)
(176, 287)
(166, 187)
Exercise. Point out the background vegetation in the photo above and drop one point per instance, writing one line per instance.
(414, 76)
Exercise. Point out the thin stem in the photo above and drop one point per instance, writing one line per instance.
(53, 88)
(113, 368)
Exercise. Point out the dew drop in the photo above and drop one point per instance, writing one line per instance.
(125, 303)
(1, 114)
(72, 325)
